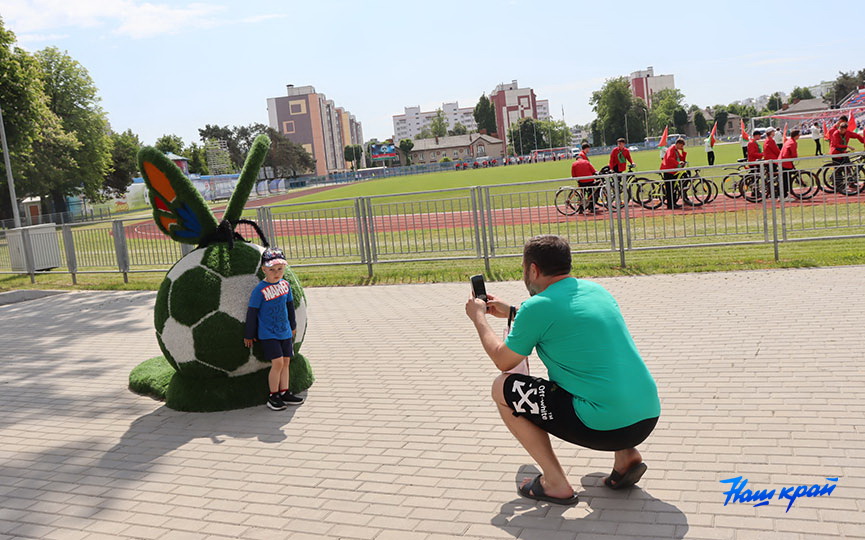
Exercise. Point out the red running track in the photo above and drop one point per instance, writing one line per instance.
(339, 225)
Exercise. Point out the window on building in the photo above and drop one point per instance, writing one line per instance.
(288, 127)
(297, 106)
(456, 153)
(481, 149)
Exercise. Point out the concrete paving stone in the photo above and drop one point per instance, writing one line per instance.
(739, 400)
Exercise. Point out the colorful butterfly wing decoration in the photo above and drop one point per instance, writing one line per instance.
(179, 210)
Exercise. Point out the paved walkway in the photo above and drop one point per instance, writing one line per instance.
(762, 375)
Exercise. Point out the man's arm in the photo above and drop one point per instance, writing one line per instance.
(504, 358)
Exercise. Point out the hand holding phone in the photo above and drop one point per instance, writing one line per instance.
(478, 288)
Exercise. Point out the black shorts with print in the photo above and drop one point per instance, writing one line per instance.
(551, 408)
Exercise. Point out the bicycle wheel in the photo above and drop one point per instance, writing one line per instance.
(696, 191)
(730, 185)
(803, 185)
(650, 194)
(569, 201)
(825, 178)
(751, 188)
(847, 181)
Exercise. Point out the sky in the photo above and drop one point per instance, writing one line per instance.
(171, 67)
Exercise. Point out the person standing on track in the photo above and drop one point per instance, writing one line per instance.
(674, 159)
(790, 150)
(585, 172)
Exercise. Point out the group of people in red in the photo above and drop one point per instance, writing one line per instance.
(839, 137)
(584, 171)
(675, 157)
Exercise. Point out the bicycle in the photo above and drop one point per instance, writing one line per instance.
(731, 182)
(846, 178)
(689, 186)
(572, 200)
(803, 185)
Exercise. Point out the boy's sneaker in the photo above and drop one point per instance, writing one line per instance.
(275, 402)
(290, 399)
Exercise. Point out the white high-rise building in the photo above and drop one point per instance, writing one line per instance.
(413, 121)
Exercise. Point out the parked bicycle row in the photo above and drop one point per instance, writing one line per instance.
(752, 182)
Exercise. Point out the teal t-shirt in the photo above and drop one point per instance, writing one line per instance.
(580, 335)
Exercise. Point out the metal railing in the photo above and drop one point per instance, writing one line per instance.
(489, 222)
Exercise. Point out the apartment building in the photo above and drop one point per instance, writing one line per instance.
(645, 83)
(413, 120)
(309, 119)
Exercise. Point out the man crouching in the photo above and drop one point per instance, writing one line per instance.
(600, 394)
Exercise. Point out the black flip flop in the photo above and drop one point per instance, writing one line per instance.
(631, 477)
(535, 490)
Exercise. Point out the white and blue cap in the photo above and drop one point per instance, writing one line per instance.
(273, 256)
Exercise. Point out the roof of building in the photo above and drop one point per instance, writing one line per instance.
(806, 105)
(452, 141)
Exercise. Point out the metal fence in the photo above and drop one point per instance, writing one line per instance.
(736, 204)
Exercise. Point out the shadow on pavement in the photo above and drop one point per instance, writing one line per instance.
(630, 513)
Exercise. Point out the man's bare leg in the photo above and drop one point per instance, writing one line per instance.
(536, 442)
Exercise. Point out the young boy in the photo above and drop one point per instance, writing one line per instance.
(270, 319)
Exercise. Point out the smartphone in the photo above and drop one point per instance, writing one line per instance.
(478, 287)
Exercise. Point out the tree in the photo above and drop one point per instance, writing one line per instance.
(72, 96)
(700, 123)
(680, 119)
(197, 159)
(664, 104)
(721, 116)
(353, 154)
(619, 113)
(458, 129)
(439, 124)
(425, 133)
(285, 157)
(124, 162)
(526, 135)
(774, 102)
(169, 143)
(555, 132)
(800, 93)
(485, 115)
(845, 83)
(228, 135)
(25, 115)
(406, 145)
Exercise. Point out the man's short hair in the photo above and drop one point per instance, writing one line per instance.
(620, 139)
(680, 140)
(551, 254)
(756, 133)
(586, 145)
(795, 133)
(844, 118)
(842, 125)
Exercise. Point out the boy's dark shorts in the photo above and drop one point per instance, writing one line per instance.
(551, 408)
(276, 348)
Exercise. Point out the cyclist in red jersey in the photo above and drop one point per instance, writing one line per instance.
(674, 158)
(619, 156)
(585, 172)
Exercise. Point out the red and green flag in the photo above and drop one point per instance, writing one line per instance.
(663, 141)
(712, 135)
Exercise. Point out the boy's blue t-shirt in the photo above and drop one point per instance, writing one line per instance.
(271, 300)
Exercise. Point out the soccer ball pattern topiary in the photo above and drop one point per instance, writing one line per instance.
(201, 305)
(204, 338)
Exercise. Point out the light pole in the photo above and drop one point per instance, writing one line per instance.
(13, 199)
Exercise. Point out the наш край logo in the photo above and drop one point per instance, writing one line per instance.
(738, 494)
